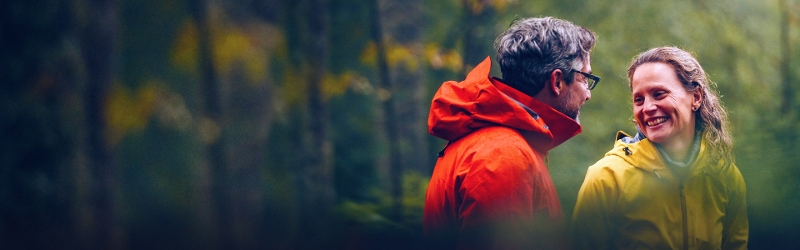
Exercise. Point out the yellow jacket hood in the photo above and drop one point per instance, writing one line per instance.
(641, 153)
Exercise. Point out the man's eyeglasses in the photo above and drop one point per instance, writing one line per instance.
(591, 80)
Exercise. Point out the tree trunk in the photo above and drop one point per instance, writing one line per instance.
(388, 115)
(250, 115)
(405, 110)
(404, 25)
(99, 53)
(475, 20)
(315, 178)
(320, 147)
(786, 68)
(212, 131)
(788, 135)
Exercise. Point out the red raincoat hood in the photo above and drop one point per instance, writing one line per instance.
(459, 108)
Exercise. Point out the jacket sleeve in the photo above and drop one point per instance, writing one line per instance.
(735, 227)
(592, 226)
(499, 205)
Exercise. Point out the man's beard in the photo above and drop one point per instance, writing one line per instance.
(565, 107)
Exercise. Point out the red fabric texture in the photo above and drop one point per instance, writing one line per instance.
(490, 188)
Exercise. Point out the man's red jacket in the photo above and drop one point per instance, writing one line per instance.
(490, 188)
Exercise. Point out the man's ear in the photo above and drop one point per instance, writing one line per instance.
(556, 82)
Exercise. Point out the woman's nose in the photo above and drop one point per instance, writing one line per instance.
(649, 106)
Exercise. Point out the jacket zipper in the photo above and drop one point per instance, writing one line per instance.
(685, 223)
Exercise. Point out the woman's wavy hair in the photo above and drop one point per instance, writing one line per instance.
(533, 47)
(712, 117)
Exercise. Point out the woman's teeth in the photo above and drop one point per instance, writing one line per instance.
(656, 121)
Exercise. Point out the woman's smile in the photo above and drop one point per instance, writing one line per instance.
(656, 121)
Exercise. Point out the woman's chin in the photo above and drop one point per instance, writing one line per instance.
(656, 137)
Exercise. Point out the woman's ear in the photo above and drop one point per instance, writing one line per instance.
(697, 99)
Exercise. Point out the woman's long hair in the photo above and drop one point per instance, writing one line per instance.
(712, 117)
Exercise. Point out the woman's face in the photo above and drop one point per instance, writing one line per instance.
(662, 107)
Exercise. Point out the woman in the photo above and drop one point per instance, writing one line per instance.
(674, 185)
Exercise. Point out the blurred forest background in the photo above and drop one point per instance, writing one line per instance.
(296, 124)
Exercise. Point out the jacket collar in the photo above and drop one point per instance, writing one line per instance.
(459, 108)
(643, 154)
(559, 126)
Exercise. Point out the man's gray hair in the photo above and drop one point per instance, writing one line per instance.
(533, 47)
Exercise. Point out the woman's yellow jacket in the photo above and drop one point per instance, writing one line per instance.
(631, 200)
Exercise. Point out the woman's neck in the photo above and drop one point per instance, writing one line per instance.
(677, 152)
(683, 151)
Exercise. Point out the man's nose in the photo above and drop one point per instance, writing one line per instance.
(588, 94)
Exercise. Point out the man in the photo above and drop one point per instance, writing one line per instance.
(490, 187)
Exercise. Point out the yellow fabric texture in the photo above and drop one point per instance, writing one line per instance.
(631, 200)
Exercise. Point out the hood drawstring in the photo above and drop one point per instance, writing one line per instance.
(628, 152)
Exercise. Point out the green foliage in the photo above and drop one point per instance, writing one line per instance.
(414, 187)
(372, 218)
(156, 126)
(379, 209)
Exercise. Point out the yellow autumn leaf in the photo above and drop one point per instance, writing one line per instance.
(334, 85)
(265, 40)
(501, 5)
(128, 112)
(453, 61)
(185, 50)
(475, 6)
(450, 60)
(397, 54)
(369, 55)
(118, 112)
(294, 86)
(229, 45)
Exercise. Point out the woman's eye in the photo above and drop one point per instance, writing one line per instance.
(638, 100)
(659, 94)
